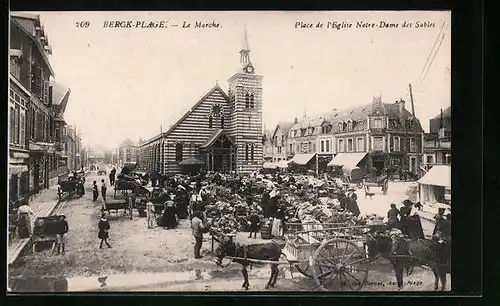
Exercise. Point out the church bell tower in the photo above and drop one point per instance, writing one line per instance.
(245, 99)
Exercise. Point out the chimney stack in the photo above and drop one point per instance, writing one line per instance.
(401, 107)
(295, 121)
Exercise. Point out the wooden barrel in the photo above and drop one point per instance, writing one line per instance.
(265, 232)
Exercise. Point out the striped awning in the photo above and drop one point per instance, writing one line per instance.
(16, 169)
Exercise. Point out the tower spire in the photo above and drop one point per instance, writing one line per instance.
(245, 53)
(245, 45)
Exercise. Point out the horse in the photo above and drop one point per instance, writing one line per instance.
(269, 251)
(406, 254)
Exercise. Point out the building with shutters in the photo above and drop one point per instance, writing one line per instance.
(36, 109)
(437, 145)
(222, 130)
(376, 135)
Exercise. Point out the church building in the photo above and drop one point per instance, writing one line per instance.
(223, 131)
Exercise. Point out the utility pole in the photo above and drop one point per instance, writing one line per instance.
(412, 126)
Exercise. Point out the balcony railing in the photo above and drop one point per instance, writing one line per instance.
(38, 146)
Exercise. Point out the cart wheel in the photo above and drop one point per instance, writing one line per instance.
(305, 269)
(340, 263)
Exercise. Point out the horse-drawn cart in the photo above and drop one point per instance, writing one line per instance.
(381, 181)
(331, 253)
(72, 186)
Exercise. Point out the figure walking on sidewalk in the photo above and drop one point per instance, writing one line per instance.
(103, 190)
(103, 231)
(150, 211)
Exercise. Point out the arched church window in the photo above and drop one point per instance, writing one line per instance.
(247, 100)
(210, 121)
(246, 152)
(252, 151)
(178, 152)
(222, 122)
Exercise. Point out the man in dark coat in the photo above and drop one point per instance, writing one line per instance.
(112, 175)
(62, 229)
(392, 217)
(265, 204)
(438, 218)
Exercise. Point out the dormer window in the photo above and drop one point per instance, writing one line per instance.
(341, 126)
(378, 123)
(349, 125)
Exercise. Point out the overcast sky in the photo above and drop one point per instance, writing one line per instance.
(126, 83)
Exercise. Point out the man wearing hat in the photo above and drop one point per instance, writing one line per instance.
(198, 228)
(61, 230)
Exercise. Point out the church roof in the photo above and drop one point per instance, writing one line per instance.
(173, 126)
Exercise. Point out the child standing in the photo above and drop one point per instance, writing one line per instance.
(254, 222)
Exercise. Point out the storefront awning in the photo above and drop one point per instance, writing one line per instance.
(302, 159)
(16, 169)
(438, 176)
(269, 166)
(347, 160)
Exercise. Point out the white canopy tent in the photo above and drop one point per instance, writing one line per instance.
(434, 183)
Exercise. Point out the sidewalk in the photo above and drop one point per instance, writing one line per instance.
(42, 205)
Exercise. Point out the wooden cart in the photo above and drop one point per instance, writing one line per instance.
(333, 254)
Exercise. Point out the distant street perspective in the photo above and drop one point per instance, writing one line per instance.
(238, 191)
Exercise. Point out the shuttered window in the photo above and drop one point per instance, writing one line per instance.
(246, 152)
(252, 152)
(210, 121)
(222, 122)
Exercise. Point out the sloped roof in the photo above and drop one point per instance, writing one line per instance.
(284, 126)
(60, 95)
(356, 114)
(446, 113)
(173, 126)
(216, 135)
